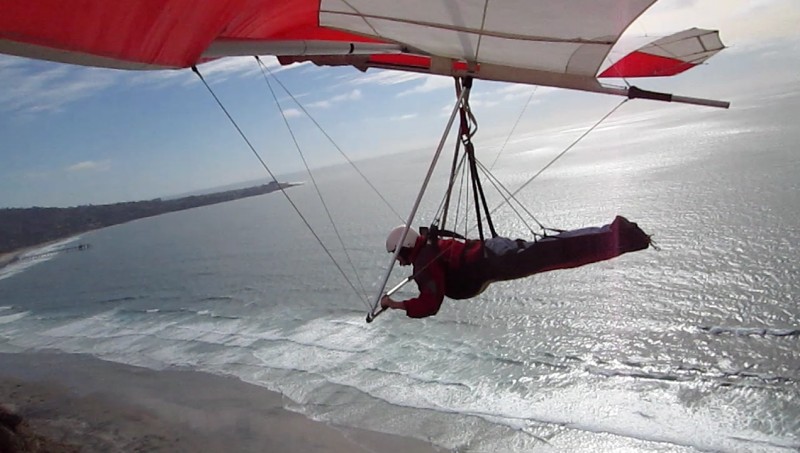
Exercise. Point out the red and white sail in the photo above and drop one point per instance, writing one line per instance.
(544, 42)
(668, 56)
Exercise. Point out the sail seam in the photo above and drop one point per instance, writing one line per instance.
(490, 33)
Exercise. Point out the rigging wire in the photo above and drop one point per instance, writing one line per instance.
(335, 145)
(514, 128)
(314, 183)
(458, 172)
(503, 190)
(441, 211)
(561, 154)
(481, 30)
(272, 175)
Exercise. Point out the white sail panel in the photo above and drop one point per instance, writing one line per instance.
(564, 37)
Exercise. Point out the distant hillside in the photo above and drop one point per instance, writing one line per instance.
(25, 227)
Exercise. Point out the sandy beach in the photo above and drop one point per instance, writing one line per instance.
(79, 403)
(7, 258)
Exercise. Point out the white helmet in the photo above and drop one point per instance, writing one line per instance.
(394, 238)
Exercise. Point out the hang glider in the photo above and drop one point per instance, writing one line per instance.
(562, 44)
(541, 42)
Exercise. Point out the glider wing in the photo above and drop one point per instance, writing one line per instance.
(668, 56)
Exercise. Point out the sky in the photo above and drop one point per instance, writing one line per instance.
(72, 135)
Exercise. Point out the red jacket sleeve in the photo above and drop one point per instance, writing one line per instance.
(431, 283)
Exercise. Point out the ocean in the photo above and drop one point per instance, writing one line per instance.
(687, 349)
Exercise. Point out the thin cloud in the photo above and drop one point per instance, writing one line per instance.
(351, 96)
(46, 87)
(89, 165)
(319, 105)
(216, 71)
(36, 87)
(405, 117)
(386, 77)
(430, 83)
(292, 113)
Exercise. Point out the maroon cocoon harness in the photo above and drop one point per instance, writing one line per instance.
(570, 249)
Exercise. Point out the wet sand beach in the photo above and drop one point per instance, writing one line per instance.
(72, 402)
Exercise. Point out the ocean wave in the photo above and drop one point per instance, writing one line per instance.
(640, 374)
(205, 274)
(217, 299)
(13, 269)
(205, 313)
(317, 345)
(752, 331)
(419, 378)
(119, 299)
(728, 378)
(45, 253)
(13, 317)
(213, 315)
(789, 445)
(145, 311)
(461, 352)
(764, 377)
(202, 313)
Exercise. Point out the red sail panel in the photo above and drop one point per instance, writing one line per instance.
(170, 33)
(641, 64)
(152, 33)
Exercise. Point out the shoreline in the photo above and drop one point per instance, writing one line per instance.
(8, 258)
(79, 401)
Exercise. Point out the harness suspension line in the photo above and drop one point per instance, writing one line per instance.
(440, 219)
(469, 149)
(475, 193)
(372, 314)
(441, 214)
(467, 132)
(464, 195)
(445, 205)
(465, 114)
(478, 191)
(272, 175)
(335, 145)
(314, 183)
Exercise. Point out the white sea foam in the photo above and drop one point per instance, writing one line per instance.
(13, 317)
(751, 331)
(43, 254)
